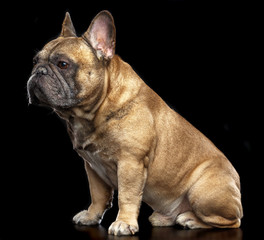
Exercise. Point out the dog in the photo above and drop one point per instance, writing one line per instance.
(130, 139)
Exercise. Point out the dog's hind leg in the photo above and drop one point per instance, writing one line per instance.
(215, 199)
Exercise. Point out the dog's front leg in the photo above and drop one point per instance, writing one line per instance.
(101, 195)
(131, 180)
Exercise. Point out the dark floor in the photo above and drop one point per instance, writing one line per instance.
(70, 231)
(48, 223)
(168, 233)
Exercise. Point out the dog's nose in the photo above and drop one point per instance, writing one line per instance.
(42, 71)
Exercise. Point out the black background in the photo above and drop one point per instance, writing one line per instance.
(199, 57)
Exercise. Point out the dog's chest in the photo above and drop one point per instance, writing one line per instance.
(92, 147)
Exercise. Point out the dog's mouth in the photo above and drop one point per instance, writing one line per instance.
(36, 96)
(36, 93)
(47, 89)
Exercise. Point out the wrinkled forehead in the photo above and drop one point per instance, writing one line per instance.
(74, 48)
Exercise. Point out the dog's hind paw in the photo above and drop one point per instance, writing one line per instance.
(189, 220)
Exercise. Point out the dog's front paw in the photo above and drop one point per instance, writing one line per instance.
(121, 228)
(84, 218)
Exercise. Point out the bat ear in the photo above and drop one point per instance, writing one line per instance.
(101, 34)
(67, 27)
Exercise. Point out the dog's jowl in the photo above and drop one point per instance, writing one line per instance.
(129, 139)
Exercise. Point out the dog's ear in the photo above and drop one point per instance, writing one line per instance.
(101, 34)
(67, 27)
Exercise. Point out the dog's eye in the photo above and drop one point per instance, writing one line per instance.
(62, 65)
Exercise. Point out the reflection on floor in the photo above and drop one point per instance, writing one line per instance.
(168, 233)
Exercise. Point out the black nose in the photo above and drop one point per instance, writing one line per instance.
(42, 71)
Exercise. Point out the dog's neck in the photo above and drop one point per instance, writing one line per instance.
(121, 85)
(124, 83)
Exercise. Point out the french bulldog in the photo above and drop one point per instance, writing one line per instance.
(130, 139)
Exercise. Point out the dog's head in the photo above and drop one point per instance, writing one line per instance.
(70, 71)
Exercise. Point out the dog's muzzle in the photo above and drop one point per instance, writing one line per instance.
(46, 86)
